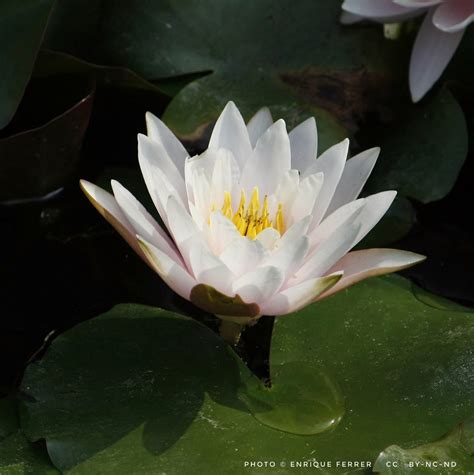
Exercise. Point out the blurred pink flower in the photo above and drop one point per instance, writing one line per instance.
(438, 37)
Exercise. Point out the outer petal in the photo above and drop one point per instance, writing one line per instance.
(143, 223)
(159, 132)
(384, 11)
(454, 15)
(354, 176)
(258, 124)
(331, 163)
(230, 132)
(183, 229)
(108, 207)
(304, 144)
(417, 3)
(431, 53)
(269, 162)
(157, 157)
(349, 18)
(359, 265)
(173, 274)
(259, 285)
(296, 297)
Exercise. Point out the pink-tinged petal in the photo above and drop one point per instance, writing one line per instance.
(258, 124)
(354, 176)
(159, 132)
(143, 223)
(431, 54)
(269, 162)
(157, 158)
(243, 255)
(230, 132)
(331, 163)
(383, 11)
(175, 276)
(454, 15)
(209, 269)
(359, 265)
(304, 144)
(107, 206)
(258, 285)
(295, 298)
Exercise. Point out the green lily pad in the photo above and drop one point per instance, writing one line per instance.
(8, 416)
(454, 454)
(19, 457)
(141, 390)
(21, 30)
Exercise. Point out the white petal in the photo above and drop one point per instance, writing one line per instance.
(159, 132)
(183, 229)
(354, 176)
(268, 237)
(359, 265)
(209, 269)
(328, 252)
(298, 229)
(258, 285)
(230, 132)
(155, 154)
(374, 208)
(304, 144)
(289, 256)
(173, 274)
(296, 297)
(306, 198)
(331, 163)
(143, 223)
(454, 15)
(201, 189)
(242, 255)
(383, 11)
(221, 232)
(269, 161)
(431, 54)
(288, 187)
(204, 162)
(334, 222)
(225, 177)
(107, 206)
(258, 124)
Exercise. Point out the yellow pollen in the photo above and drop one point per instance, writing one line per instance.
(251, 220)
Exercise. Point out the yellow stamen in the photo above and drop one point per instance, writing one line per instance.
(254, 219)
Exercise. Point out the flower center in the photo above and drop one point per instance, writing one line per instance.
(254, 218)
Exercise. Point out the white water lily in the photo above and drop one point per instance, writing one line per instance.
(257, 224)
(438, 37)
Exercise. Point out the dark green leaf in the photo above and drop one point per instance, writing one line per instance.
(21, 31)
(140, 388)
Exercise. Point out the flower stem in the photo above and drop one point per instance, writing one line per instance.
(230, 331)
